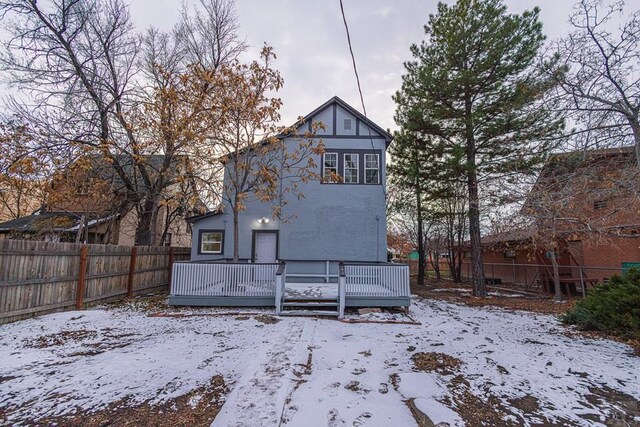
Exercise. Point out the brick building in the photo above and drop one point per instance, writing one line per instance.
(586, 206)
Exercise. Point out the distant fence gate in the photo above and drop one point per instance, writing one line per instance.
(42, 277)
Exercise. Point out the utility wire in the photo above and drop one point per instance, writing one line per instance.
(364, 109)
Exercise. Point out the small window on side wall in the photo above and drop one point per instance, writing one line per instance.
(510, 253)
(211, 241)
(347, 124)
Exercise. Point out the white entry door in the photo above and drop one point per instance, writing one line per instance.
(266, 247)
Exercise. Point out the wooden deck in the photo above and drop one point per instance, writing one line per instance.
(267, 285)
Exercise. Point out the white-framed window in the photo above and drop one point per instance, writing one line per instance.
(211, 241)
(347, 124)
(330, 161)
(371, 169)
(351, 168)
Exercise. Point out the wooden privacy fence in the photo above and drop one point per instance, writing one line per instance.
(41, 277)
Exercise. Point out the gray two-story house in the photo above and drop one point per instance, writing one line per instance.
(336, 221)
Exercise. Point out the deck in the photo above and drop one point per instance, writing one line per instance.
(268, 285)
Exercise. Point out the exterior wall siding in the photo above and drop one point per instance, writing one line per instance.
(332, 221)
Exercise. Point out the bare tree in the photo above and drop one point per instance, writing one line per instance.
(92, 92)
(599, 85)
(209, 33)
(259, 164)
(23, 171)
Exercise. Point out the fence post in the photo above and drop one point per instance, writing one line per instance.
(132, 270)
(584, 291)
(81, 276)
(170, 264)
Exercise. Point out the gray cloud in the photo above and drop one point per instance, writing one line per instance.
(313, 56)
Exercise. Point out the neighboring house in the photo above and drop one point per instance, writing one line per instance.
(587, 202)
(55, 226)
(91, 200)
(332, 251)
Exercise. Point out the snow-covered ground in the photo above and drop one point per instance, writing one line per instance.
(311, 372)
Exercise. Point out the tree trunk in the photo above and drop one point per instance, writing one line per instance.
(635, 127)
(454, 266)
(477, 269)
(80, 230)
(558, 297)
(435, 262)
(147, 219)
(421, 254)
(236, 202)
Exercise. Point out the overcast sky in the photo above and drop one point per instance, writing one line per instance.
(313, 57)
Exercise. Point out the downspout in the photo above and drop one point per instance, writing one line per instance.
(378, 238)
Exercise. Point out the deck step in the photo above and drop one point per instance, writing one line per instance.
(310, 304)
(307, 299)
(309, 313)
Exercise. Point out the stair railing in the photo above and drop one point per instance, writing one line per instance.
(342, 290)
(280, 275)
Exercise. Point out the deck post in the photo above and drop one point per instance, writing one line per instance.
(342, 288)
(326, 272)
(279, 288)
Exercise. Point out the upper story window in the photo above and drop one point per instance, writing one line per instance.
(371, 169)
(211, 241)
(351, 168)
(347, 124)
(599, 204)
(330, 165)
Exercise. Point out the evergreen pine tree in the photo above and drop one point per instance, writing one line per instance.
(472, 88)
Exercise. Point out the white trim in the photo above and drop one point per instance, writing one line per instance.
(357, 168)
(372, 169)
(203, 241)
(324, 167)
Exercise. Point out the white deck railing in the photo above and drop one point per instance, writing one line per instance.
(223, 279)
(377, 280)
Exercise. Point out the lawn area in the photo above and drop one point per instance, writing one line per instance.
(125, 365)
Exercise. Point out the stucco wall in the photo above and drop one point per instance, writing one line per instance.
(332, 222)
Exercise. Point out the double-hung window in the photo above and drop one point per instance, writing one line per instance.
(371, 169)
(330, 166)
(351, 168)
(211, 242)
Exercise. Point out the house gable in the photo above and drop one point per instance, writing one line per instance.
(343, 121)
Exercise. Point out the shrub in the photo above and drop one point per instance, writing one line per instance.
(613, 307)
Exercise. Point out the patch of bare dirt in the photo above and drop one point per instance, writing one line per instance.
(197, 408)
(436, 362)
(461, 293)
(61, 338)
(625, 408)
(266, 319)
(151, 303)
